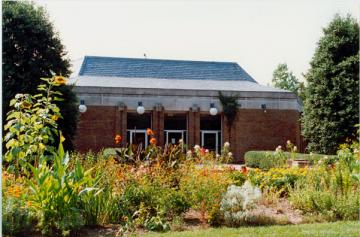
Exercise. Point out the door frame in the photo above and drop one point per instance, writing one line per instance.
(173, 131)
(216, 133)
(134, 131)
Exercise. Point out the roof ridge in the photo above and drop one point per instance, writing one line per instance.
(162, 68)
(158, 59)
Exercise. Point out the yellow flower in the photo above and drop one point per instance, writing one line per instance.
(60, 80)
(54, 117)
(26, 105)
(41, 146)
(62, 138)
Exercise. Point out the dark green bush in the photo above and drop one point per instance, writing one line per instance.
(271, 159)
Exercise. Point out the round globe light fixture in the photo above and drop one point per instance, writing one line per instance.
(140, 109)
(82, 106)
(213, 111)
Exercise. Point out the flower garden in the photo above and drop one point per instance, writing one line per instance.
(48, 191)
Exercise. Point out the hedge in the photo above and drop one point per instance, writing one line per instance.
(270, 159)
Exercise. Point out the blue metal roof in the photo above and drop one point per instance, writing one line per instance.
(162, 69)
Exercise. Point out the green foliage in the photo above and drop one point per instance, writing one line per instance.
(265, 159)
(230, 106)
(204, 188)
(98, 206)
(277, 179)
(31, 49)
(55, 192)
(283, 78)
(150, 203)
(31, 124)
(331, 190)
(238, 178)
(16, 217)
(332, 96)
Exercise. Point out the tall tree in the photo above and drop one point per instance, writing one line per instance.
(332, 95)
(31, 49)
(283, 78)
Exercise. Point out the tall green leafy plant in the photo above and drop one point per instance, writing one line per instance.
(31, 125)
(56, 191)
(230, 107)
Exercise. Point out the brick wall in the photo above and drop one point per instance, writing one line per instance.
(255, 130)
(252, 129)
(97, 128)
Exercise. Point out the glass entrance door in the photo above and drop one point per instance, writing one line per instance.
(173, 136)
(210, 140)
(138, 137)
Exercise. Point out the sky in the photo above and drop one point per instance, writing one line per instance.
(257, 34)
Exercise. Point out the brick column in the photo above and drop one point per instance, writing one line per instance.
(158, 123)
(194, 126)
(123, 127)
(121, 122)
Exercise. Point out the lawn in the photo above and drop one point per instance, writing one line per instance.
(343, 228)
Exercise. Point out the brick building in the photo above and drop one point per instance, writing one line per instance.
(176, 97)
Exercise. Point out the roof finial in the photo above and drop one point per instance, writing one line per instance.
(145, 55)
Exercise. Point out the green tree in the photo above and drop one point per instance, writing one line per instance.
(331, 107)
(31, 49)
(283, 78)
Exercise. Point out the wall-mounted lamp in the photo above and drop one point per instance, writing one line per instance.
(82, 106)
(263, 106)
(213, 111)
(140, 109)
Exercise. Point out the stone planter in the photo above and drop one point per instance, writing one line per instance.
(298, 163)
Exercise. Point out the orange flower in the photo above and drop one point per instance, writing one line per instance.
(118, 139)
(244, 170)
(149, 132)
(153, 141)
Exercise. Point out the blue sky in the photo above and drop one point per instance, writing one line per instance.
(257, 34)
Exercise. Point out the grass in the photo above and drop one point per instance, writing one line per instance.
(334, 229)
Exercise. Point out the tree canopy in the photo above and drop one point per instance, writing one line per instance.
(31, 50)
(331, 108)
(283, 78)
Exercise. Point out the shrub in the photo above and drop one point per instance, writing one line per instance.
(237, 202)
(265, 159)
(204, 188)
(268, 159)
(17, 219)
(331, 190)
